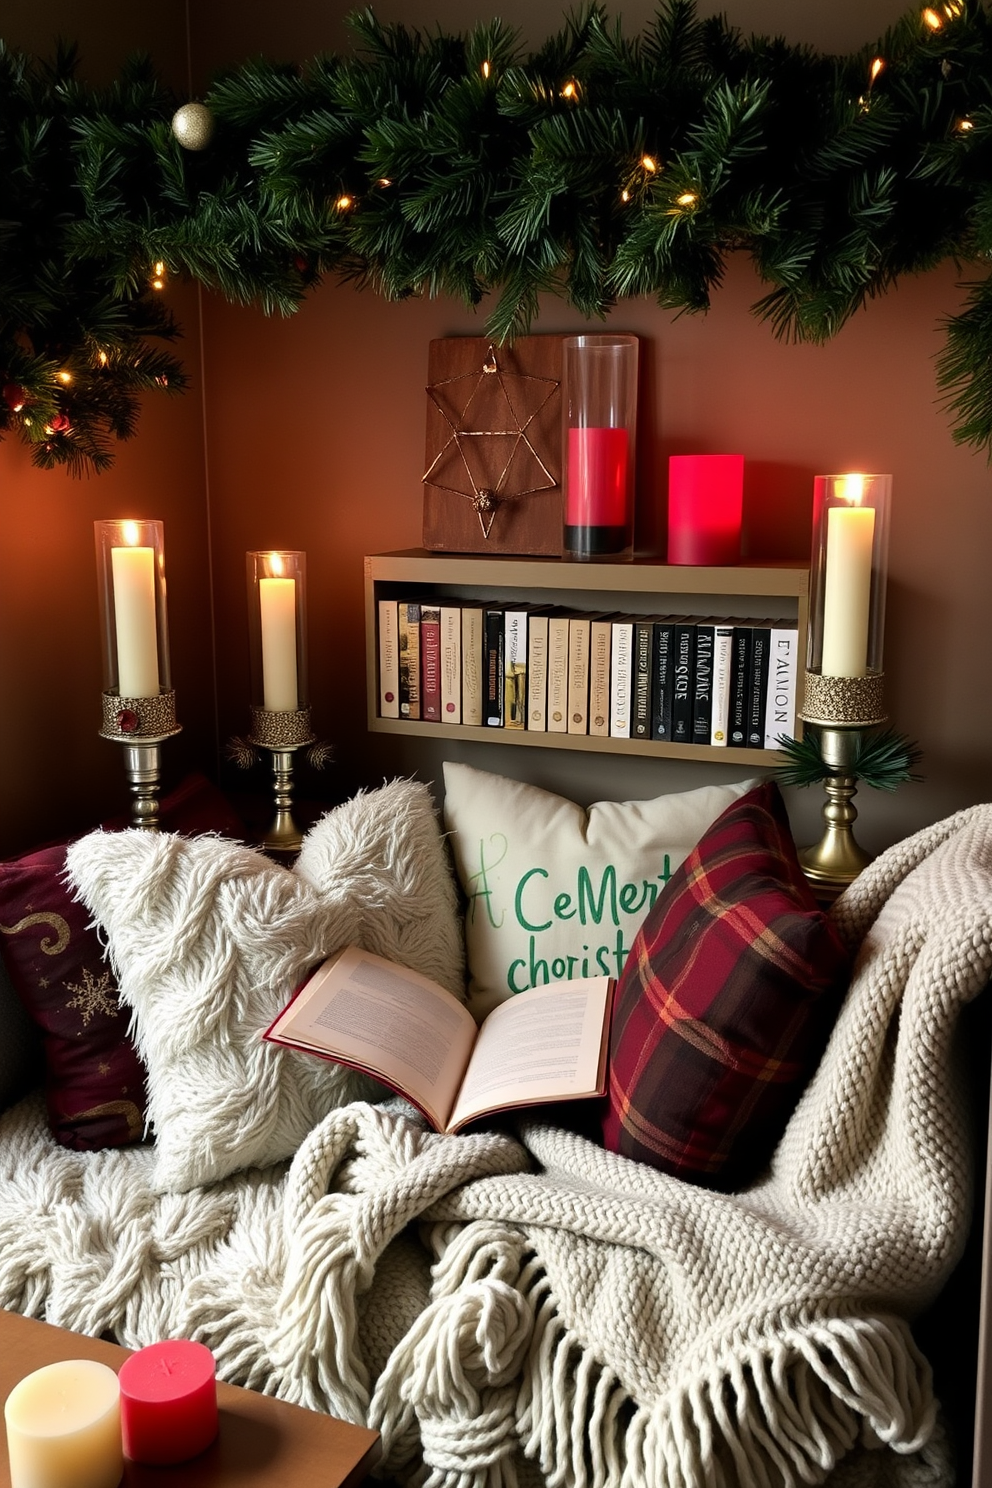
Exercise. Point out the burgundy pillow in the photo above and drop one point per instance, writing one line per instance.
(94, 1080)
(725, 1003)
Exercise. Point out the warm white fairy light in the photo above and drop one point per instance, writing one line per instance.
(932, 19)
(649, 164)
(485, 69)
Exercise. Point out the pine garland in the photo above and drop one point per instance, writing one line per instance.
(597, 168)
(883, 759)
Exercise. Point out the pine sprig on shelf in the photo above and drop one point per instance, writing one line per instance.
(882, 760)
(598, 167)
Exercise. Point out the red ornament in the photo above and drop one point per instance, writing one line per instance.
(15, 396)
(60, 424)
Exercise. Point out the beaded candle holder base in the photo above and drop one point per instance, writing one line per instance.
(141, 725)
(840, 708)
(281, 733)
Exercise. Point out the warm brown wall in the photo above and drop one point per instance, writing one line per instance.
(345, 479)
(56, 774)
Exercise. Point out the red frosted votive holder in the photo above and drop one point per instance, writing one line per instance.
(705, 505)
(168, 1402)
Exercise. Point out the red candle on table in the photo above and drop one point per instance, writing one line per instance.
(168, 1402)
(705, 500)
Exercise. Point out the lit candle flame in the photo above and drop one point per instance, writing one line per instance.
(852, 489)
(276, 566)
(131, 534)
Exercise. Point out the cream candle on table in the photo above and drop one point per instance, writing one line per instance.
(847, 590)
(277, 602)
(64, 1427)
(133, 571)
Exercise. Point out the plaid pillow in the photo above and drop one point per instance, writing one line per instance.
(725, 1003)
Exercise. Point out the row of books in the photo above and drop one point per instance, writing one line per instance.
(683, 679)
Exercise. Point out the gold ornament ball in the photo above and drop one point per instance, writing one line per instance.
(193, 126)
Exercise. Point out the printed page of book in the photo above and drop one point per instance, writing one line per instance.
(398, 1025)
(547, 1044)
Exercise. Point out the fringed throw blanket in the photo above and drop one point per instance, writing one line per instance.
(533, 1308)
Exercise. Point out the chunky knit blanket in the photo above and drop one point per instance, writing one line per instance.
(529, 1308)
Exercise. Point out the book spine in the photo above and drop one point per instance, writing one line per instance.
(783, 673)
(663, 669)
(472, 665)
(640, 703)
(600, 638)
(621, 678)
(492, 667)
(537, 673)
(682, 649)
(723, 639)
(389, 660)
(451, 664)
(408, 629)
(758, 687)
(558, 674)
(740, 671)
(578, 674)
(514, 669)
(702, 685)
(430, 663)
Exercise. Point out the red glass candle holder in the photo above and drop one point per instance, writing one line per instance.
(600, 403)
(705, 503)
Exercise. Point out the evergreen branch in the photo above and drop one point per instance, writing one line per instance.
(882, 760)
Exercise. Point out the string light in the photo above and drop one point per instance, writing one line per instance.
(65, 377)
(625, 195)
(649, 164)
(344, 202)
(158, 278)
(485, 69)
(876, 67)
(384, 181)
(687, 199)
(570, 90)
(963, 125)
(102, 358)
(932, 19)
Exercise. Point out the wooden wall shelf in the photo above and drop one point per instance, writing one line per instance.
(778, 589)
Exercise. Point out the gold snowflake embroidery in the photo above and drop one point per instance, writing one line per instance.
(94, 996)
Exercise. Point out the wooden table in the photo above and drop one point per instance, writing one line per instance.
(261, 1440)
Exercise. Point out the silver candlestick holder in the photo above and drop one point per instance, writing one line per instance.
(141, 725)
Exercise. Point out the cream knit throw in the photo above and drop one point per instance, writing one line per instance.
(559, 1314)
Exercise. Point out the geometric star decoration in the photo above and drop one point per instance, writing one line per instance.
(488, 457)
(94, 996)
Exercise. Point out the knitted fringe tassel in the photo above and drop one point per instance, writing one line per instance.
(776, 1413)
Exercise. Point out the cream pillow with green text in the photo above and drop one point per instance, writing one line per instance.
(554, 890)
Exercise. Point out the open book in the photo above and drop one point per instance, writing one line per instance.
(548, 1044)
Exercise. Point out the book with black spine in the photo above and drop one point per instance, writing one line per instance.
(662, 665)
(641, 695)
(702, 683)
(492, 666)
(683, 646)
(758, 684)
(515, 621)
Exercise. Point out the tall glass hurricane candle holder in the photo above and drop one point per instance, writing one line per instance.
(280, 707)
(139, 705)
(844, 690)
(599, 389)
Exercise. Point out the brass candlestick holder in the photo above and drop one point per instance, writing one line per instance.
(280, 734)
(141, 725)
(841, 708)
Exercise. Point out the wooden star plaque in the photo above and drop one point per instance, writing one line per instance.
(492, 473)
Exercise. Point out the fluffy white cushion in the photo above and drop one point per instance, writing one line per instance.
(557, 891)
(209, 939)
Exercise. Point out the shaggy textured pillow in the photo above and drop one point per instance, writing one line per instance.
(556, 891)
(209, 939)
(94, 1079)
(725, 1005)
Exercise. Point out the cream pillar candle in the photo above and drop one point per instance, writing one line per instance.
(847, 590)
(277, 602)
(133, 571)
(64, 1427)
